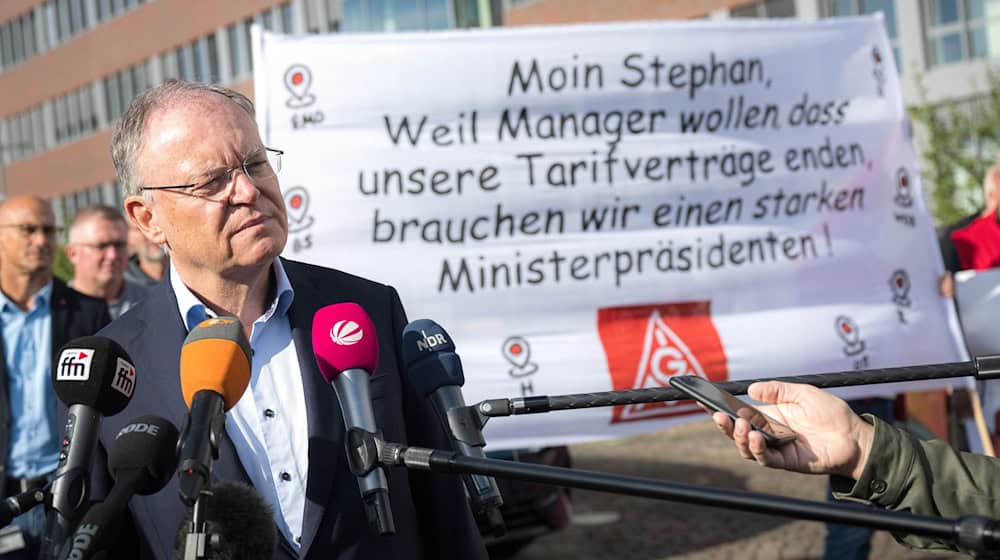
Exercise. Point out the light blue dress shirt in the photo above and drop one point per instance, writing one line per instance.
(268, 425)
(27, 346)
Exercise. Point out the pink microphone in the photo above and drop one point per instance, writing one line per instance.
(346, 348)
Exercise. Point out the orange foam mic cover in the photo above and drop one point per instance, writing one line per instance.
(216, 357)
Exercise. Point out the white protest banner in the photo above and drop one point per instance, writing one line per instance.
(588, 208)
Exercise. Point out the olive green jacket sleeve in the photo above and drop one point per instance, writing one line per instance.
(923, 477)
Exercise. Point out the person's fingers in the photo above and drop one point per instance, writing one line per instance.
(724, 423)
(778, 391)
(741, 432)
(758, 448)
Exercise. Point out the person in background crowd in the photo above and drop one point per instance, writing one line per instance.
(38, 313)
(973, 243)
(147, 261)
(98, 250)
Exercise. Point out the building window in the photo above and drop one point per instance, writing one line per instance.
(766, 9)
(287, 25)
(958, 30)
(835, 8)
(408, 15)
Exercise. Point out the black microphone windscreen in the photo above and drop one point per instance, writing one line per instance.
(429, 357)
(94, 371)
(243, 520)
(149, 444)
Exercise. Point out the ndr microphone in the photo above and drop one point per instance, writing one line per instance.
(215, 371)
(141, 459)
(346, 349)
(435, 370)
(94, 377)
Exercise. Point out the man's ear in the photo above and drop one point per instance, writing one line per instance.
(72, 252)
(142, 214)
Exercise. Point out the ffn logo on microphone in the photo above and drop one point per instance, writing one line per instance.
(124, 381)
(74, 364)
(346, 333)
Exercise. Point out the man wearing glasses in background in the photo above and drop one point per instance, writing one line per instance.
(98, 249)
(199, 181)
(38, 314)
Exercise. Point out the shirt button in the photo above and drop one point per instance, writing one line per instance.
(877, 486)
(285, 476)
(268, 413)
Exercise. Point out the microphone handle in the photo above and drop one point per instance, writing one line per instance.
(16, 505)
(199, 443)
(354, 396)
(92, 535)
(70, 487)
(466, 435)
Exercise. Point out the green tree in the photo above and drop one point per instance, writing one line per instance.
(61, 267)
(960, 143)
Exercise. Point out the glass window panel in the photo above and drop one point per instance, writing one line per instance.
(354, 16)
(75, 17)
(267, 19)
(745, 12)
(974, 9)
(72, 114)
(117, 6)
(140, 77)
(466, 13)
(213, 59)
(944, 11)
(286, 18)
(128, 88)
(334, 12)
(84, 19)
(233, 42)
(183, 65)
(887, 7)
(28, 25)
(843, 8)
(113, 95)
(60, 118)
(103, 10)
(978, 47)
(17, 41)
(948, 48)
(780, 8)
(245, 54)
(62, 18)
(6, 48)
(405, 15)
(200, 59)
(437, 14)
(38, 127)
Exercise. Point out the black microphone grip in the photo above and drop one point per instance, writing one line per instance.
(199, 443)
(16, 505)
(531, 405)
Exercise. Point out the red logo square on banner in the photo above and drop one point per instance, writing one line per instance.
(646, 345)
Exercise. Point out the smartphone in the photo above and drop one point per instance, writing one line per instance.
(775, 433)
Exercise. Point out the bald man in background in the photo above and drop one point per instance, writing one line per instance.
(38, 314)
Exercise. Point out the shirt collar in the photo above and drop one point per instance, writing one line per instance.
(193, 311)
(43, 299)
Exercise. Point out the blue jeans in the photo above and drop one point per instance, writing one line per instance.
(846, 541)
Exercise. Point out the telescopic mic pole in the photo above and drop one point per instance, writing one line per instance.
(974, 533)
(982, 368)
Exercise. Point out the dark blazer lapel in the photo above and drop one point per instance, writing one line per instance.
(326, 426)
(60, 307)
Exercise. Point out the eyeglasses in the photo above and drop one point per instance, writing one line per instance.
(31, 229)
(261, 165)
(102, 247)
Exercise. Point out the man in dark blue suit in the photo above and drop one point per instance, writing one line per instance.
(199, 181)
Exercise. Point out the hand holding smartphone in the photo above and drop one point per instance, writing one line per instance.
(775, 433)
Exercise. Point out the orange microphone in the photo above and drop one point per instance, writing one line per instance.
(215, 371)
